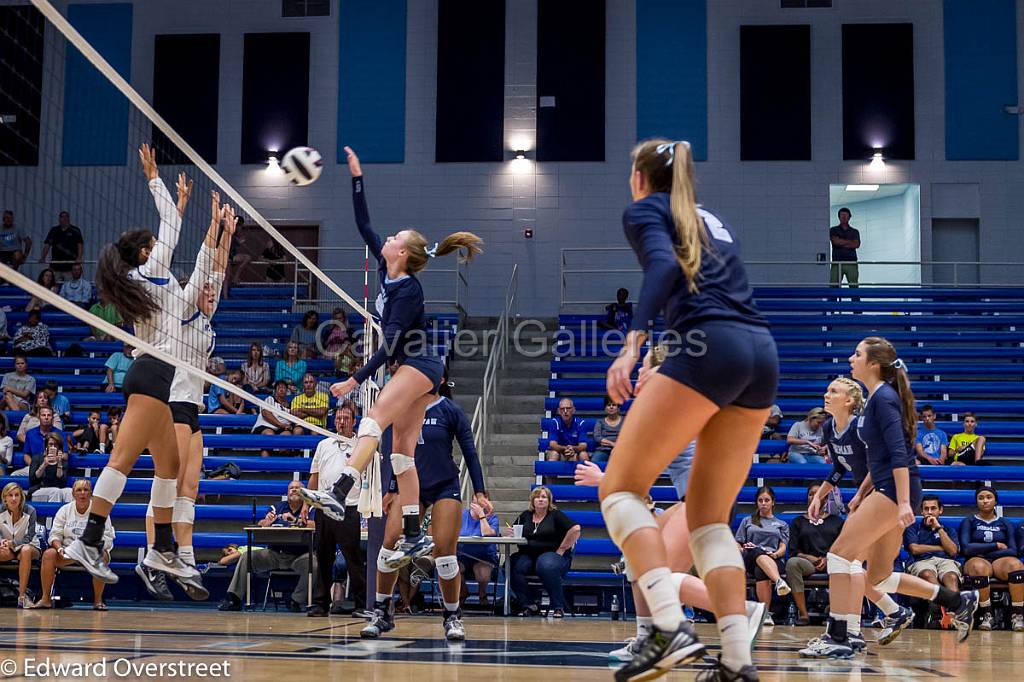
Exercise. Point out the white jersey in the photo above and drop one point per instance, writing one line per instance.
(68, 526)
(161, 330)
(196, 331)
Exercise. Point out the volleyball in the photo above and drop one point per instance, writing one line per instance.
(302, 165)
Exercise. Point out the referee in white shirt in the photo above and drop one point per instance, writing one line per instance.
(332, 455)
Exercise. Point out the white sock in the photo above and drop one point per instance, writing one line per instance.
(187, 554)
(383, 597)
(935, 593)
(643, 626)
(889, 606)
(662, 599)
(410, 510)
(853, 623)
(451, 607)
(350, 471)
(735, 641)
(149, 546)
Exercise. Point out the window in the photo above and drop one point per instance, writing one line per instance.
(809, 4)
(305, 8)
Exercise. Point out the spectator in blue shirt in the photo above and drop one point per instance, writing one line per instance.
(117, 366)
(35, 438)
(569, 440)
(619, 314)
(59, 403)
(480, 559)
(932, 444)
(933, 547)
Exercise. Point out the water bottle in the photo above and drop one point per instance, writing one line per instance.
(791, 614)
(615, 607)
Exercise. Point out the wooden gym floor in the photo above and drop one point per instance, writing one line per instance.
(275, 647)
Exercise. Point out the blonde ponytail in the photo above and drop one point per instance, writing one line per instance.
(420, 253)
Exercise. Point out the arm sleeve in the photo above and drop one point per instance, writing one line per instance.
(795, 529)
(658, 258)
(598, 432)
(838, 471)
(29, 538)
(891, 424)
(741, 532)
(908, 538)
(314, 466)
(784, 533)
(363, 217)
(563, 523)
(57, 528)
(159, 263)
(1011, 538)
(969, 548)
(464, 434)
(403, 312)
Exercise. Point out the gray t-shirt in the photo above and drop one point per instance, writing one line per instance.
(769, 535)
(802, 431)
(19, 382)
(602, 430)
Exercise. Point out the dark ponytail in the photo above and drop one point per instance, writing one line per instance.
(129, 297)
(894, 373)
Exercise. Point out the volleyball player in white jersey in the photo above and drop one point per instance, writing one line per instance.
(134, 275)
(203, 289)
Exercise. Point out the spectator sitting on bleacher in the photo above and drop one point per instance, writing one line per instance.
(810, 541)
(18, 386)
(550, 537)
(804, 439)
(35, 438)
(33, 337)
(933, 548)
(108, 431)
(4, 336)
(763, 539)
(255, 370)
(606, 430)
(619, 314)
(106, 311)
(304, 334)
(771, 425)
(967, 447)
(48, 280)
(220, 401)
(291, 512)
(480, 560)
(291, 367)
(87, 438)
(268, 423)
(932, 443)
(15, 245)
(18, 541)
(310, 405)
(68, 524)
(77, 288)
(117, 366)
(6, 445)
(570, 440)
(31, 419)
(988, 542)
(48, 472)
(59, 403)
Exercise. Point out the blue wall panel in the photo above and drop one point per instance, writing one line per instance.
(980, 38)
(371, 80)
(672, 71)
(95, 112)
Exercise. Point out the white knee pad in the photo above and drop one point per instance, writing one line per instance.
(856, 568)
(447, 567)
(837, 565)
(149, 510)
(713, 546)
(383, 556)
(624, 514)
(184, 511)
(678, 579)
(368, 427)
(401, 463)
(628, 571)
(889, 585)
(163, 492)
(110, 485)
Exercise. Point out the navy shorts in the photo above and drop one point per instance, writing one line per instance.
(149, 376)
(729, 363)
(187, 414)
(888, 488)
(447, 490)
(431, 366)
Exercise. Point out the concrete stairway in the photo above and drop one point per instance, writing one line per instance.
(511, 448)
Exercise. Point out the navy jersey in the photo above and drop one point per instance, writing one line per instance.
(443, 423)
(724, 292)
(400, 303)
(880, 428)
(919, 534)
(979, 537)
(847, 452)
(1020, 539)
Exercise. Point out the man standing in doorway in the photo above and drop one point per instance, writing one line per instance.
(845, 242)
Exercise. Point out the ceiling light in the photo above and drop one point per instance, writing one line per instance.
(862, 188)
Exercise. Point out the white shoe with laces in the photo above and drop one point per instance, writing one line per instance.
(626, 653)
(782, 588)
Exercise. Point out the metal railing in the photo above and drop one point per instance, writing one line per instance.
(587, 271)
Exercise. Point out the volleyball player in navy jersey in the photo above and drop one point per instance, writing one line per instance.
(134, 275)
(716, 386)
(875, 530)
(403, 400)
(443, 424)
(990, 547)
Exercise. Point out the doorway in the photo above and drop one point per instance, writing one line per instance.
(955, 240)
(888, 218)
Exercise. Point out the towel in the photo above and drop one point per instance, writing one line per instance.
(370, 498)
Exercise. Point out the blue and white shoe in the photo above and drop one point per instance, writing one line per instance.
(325, 502)
(826, 647)
(92, 559)
(893, 625)
(963, 619)
(408, 550)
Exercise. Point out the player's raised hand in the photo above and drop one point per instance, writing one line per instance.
(147, 155)
(353, 163)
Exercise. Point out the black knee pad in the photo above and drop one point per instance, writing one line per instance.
(976, 582)
(1015, 577)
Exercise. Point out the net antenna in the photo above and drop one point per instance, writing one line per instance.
(111, 74)
(57, 301)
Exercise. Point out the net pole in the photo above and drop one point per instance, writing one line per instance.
(26, 284)
(97, 60)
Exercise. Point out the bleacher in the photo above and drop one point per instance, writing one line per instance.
(964, 349)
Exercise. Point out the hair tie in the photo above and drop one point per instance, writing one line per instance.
(432, 251)
(898, 364)
(670, 147)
